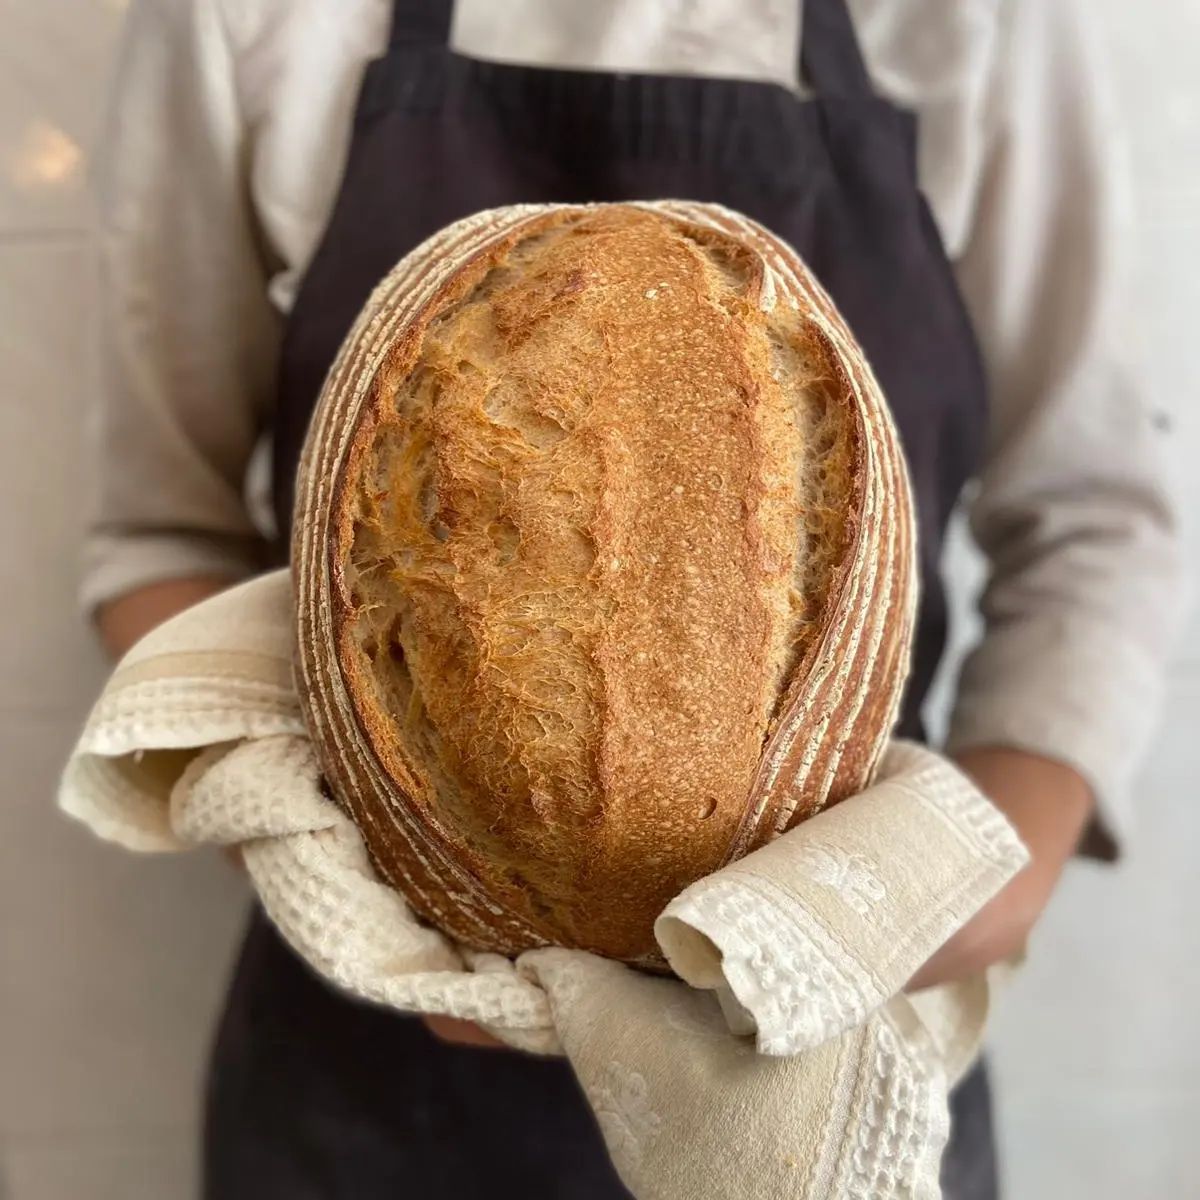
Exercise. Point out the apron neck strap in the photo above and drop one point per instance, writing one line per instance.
(421, 22)
(831, 62)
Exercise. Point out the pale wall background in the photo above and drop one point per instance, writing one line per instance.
(111, 966)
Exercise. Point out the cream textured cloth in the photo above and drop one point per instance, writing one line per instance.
(791, 1067)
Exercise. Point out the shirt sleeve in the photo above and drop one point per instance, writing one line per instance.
(189, 339)
(1073, 514)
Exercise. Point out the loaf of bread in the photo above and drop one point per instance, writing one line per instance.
(604, 564)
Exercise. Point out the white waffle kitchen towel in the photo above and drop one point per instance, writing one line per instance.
(787, 1064)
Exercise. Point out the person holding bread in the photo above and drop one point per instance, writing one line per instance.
(943, 170)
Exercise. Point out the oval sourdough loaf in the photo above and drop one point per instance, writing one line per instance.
(604, 565)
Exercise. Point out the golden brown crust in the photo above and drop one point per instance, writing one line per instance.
(604, 567)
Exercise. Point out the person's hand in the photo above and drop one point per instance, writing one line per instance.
(460, 1033)
(1049, 805)
(127, 619)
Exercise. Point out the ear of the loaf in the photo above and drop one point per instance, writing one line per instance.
(842, 699)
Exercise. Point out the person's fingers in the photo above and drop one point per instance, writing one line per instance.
(997, 932)
(1048, 804)
(985, 940)
(459, 1033)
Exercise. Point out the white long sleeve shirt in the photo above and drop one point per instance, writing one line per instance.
(223, 158)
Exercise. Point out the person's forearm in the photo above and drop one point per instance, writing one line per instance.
(127, 619)
(1049, 805)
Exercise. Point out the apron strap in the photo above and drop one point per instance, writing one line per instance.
(421, 22)
(831, 62)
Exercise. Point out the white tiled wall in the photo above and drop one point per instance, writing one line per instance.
(111, 966)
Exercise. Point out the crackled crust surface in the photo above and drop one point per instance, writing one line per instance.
(603, 556)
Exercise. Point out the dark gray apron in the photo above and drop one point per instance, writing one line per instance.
(312, 1094)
